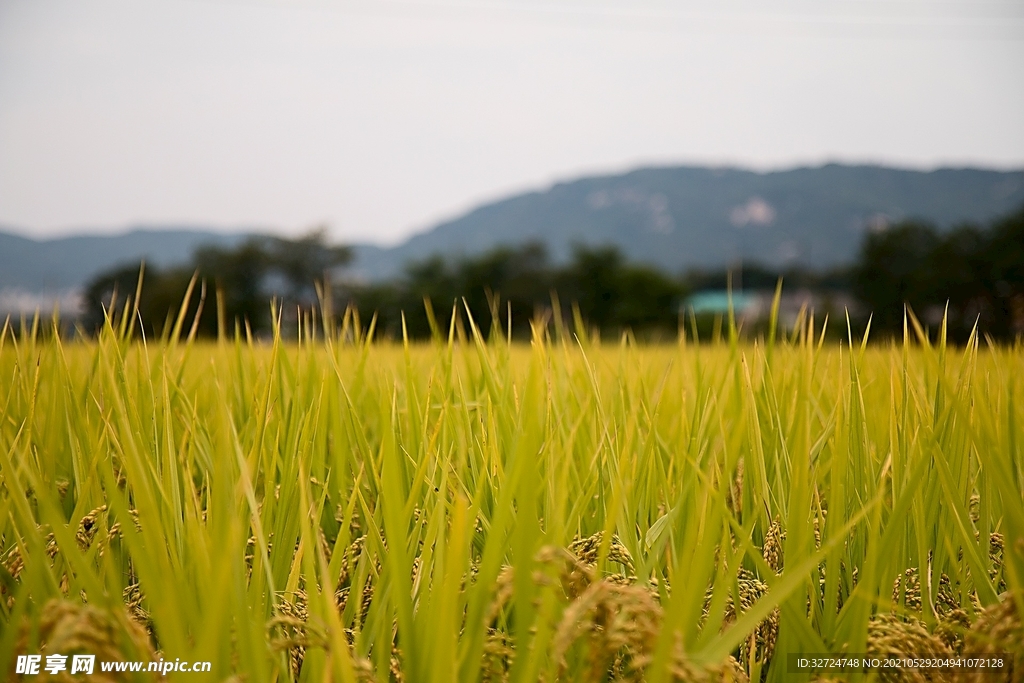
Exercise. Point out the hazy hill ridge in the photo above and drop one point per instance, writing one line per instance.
(692, 216)
(673, 217)
(63, 263)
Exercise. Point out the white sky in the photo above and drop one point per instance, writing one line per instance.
(380, 117)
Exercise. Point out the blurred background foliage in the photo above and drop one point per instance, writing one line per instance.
(974, 272)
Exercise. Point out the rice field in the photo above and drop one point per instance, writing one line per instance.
(472, 509)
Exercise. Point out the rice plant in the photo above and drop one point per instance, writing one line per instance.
(330, 507)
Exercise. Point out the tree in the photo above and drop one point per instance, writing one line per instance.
(1003, 260)
(593, 282)
(893, 271)
(978, 274)
(647, 300)
(955, 279)
(239, 281)
(613, 295)
(304, 261)
(158, 307)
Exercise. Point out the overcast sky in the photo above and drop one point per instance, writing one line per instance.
(379, 118)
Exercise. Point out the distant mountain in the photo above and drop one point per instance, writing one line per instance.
(675, 218)
(65, 263)
(682, 217)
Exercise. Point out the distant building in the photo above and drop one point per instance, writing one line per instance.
(716, 301)
(754, 306)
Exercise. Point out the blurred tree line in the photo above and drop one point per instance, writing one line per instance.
(520, 285)
(978, 273)
(516, 284)
(231, 287)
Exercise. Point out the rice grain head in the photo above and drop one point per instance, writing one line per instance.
(997, 630)
(890, 635)
(69, 628)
